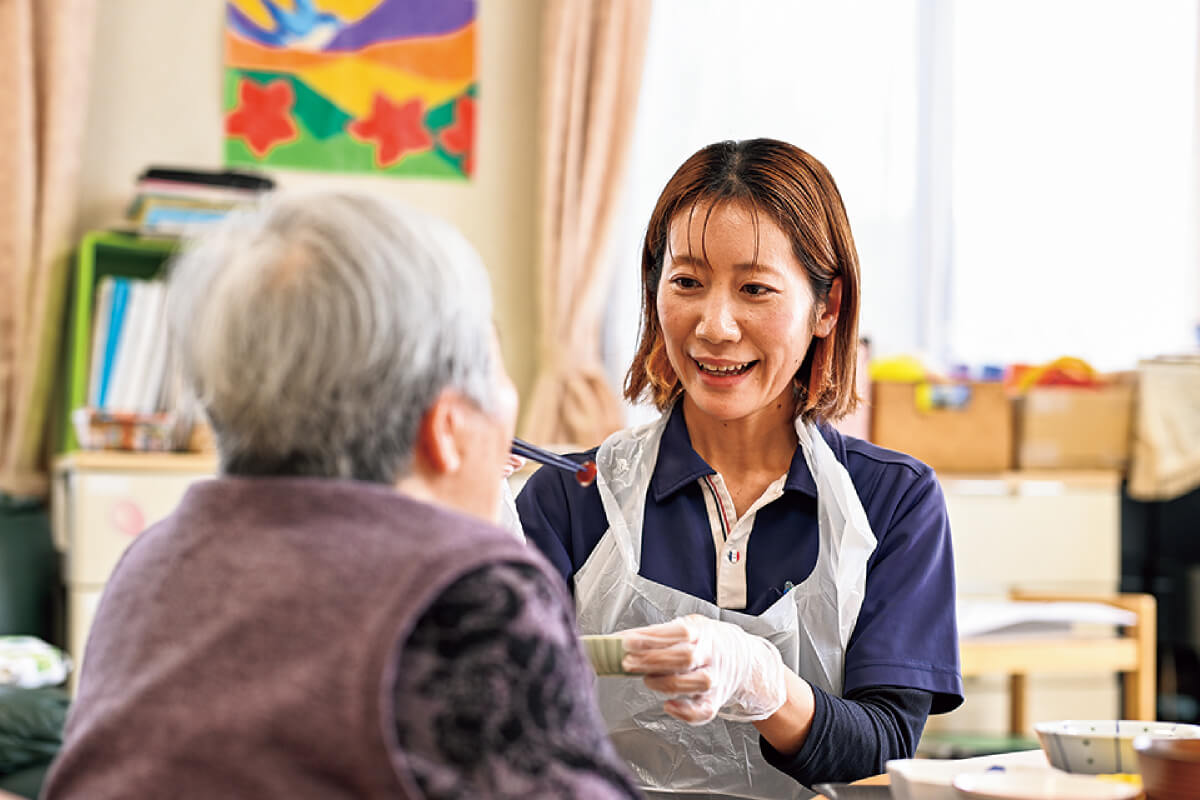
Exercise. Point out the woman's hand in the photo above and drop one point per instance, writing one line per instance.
(513, 464)
(708, 667)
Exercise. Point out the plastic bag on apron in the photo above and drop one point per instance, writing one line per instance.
(720, 758)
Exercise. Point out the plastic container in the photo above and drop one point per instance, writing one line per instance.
(106, 430)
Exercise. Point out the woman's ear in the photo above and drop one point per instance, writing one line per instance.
(829, 315)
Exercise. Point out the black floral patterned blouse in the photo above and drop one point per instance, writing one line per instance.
(494, 698)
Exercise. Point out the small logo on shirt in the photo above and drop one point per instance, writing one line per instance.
(733, 556)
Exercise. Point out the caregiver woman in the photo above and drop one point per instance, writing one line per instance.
(793, 588)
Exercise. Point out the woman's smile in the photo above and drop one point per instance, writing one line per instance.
(722, 373)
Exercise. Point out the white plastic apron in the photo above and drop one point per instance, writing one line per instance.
(810, 624)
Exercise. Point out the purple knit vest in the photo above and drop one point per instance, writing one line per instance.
(245, 646)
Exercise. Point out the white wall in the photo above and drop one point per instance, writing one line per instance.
(156, 98)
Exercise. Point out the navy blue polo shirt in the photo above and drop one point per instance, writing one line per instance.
(906, 634)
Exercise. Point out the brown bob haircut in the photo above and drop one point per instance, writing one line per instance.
(798, 194)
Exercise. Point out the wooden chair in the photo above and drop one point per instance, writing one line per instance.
(1132, 654)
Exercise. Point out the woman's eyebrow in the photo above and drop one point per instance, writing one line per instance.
(684, 259)
(744, 266)
(754, 266)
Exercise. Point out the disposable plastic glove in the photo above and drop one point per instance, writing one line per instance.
(708, 667)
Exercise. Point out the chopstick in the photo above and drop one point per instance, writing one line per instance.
(585, 473)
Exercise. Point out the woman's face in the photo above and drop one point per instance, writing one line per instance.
(737, 323)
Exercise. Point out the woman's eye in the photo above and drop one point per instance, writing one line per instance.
(756, 289)
(684, 282)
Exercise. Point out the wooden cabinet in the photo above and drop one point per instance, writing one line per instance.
(101, 502)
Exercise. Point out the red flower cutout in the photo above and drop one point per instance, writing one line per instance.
(396, 130)
(458, 136)
(262, 115)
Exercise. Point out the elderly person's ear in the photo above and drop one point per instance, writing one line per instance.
(459, 456)
(439, 437)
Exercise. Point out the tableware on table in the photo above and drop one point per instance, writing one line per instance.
(605, 652)
(1170, 767)
(933, 779)
(1094, 747)
(1041, 785)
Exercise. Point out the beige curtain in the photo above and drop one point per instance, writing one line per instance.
(591, 71)
(45, 48)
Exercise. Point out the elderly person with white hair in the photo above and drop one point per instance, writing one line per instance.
(335, 615)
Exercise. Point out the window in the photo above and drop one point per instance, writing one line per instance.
(1018, 175)
(1073, 174)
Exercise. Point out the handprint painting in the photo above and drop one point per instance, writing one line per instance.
(383, 86)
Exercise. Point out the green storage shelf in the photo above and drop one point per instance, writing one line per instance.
(101, 254)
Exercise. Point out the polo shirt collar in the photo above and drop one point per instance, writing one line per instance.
(679, 465)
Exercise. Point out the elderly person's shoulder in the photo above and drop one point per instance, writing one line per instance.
(290, 521)
(334, 511)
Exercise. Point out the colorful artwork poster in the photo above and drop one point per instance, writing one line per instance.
(381, 86)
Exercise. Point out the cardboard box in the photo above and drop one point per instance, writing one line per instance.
(1062, 427)
(976, 436)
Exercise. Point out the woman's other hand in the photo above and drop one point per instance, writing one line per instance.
(708, 667)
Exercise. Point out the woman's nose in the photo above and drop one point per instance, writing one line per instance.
(718, 322)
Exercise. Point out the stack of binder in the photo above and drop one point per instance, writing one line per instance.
(129, 347)
(181, 202)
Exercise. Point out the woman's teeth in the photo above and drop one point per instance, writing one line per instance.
(729, 369)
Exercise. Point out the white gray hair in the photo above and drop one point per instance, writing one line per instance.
(317, 329)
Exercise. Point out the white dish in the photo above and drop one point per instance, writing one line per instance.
(1097, 747)
(1041, 785)
(932, 779)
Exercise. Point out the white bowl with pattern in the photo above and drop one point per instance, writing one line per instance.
(1104, 746)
